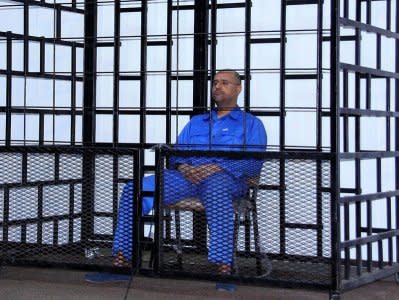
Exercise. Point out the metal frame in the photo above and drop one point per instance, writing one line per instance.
(346, 272)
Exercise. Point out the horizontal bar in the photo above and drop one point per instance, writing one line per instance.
(369, 277)
(367, 112)
(130, 9)
(371, 71)
(301, 2)
(41, 75)
(218, 6)
(368, 154)
(42, 219)
(368, 28)
(369, 239)
(303, 226)
(130, 77)
(342, 38)
(265, 40)
(16, 36)
(374, 230)
(53, 6)
(157, 43)
(300, 76)
(368, 197)
(40, 182)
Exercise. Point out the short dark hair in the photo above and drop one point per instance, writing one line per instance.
(237, 76)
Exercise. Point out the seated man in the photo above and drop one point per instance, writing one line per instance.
(215, 181)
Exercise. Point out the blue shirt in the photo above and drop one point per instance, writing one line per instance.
(236, 131)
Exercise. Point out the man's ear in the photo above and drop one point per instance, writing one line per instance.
(239, 88)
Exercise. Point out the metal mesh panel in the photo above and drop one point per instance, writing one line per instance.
(60, 206)
(276, 228)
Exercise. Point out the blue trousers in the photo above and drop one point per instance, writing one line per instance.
(216, 193)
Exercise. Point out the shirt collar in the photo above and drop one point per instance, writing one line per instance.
(235, 114)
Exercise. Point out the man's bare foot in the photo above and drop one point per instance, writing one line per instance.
(224, 269)
(120, 260)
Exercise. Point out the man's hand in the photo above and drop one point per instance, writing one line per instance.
(196, 174)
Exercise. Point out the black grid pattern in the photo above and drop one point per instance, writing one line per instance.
(52, 213)
(291, 207)
(86, 84)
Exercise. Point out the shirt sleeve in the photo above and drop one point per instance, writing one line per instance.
(256, 140)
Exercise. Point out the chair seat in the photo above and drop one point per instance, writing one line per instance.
(241, 205)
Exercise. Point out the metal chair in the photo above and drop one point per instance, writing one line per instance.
(244, 211)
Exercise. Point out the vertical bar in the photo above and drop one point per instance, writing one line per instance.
(56, 166)
(247, 54)
(40, 214)
(8, 87)
(143, 71)
(89, 83)
(58, 21)
(368, 92)
(89, 96)
(319, 104)
(388, 12)
(73, 94)
(357, 139)
(378, 52)
(26, 35)
(200, 84)
(213, 38)
(282, 125)
(117, 40)
(42, 55)
(6, 213)
(335, 149)
(368, 11)
(397, 126)
(71, 212)
(137, 205)
(158, 196)
(345, 95)
(169, 40)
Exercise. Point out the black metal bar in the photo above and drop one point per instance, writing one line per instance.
(358, 215)
(397, 125)
(368, 197)
(73, 94)
(40, 214)
(282, 209)
(319, 128)
(369, 239)
(200, 84)
(58, 22)
(143, 71)
(335, 148)
(366, 27)
(169, 42)
(368, 92)
(26, 34)
(42, 55)
(8, 88)
(6, 213)
(71, 213)
(116, 69)
(213, 39)
(88, 122)
(378, 51)
(53, 6)
(247, 58)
